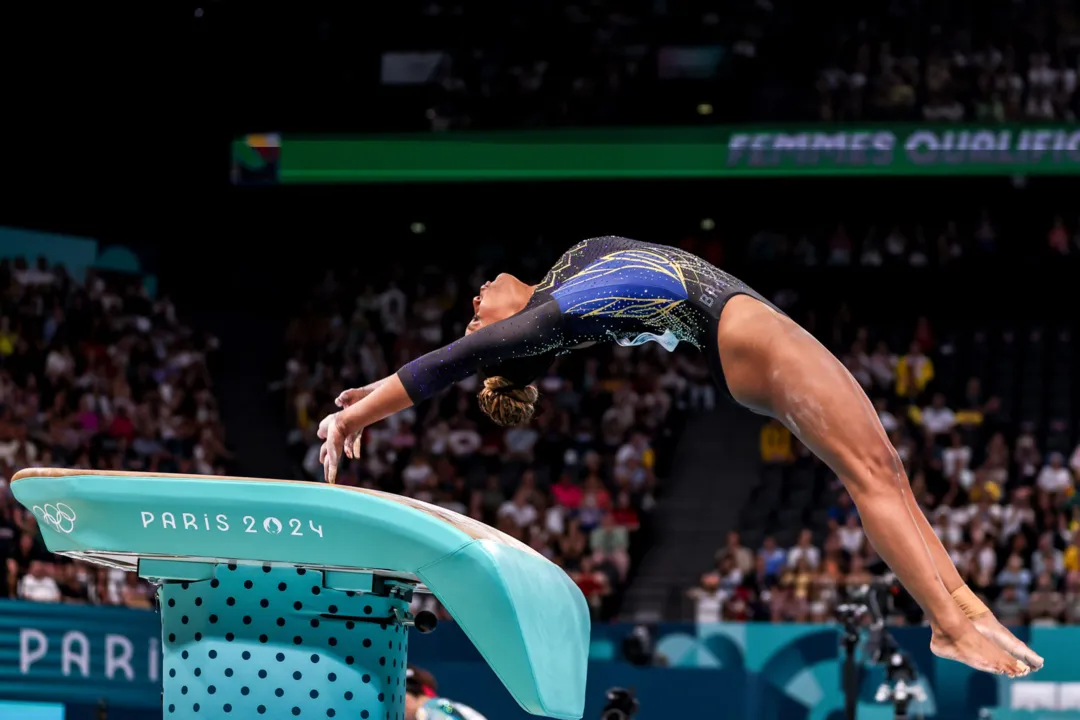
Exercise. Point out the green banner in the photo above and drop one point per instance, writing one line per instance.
(656, 153)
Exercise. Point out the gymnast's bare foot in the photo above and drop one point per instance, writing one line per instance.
(998, 634)
(972, 649)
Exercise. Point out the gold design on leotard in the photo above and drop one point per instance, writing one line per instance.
(687, 322)
(658, 313)
(622, 260)
(625, 307)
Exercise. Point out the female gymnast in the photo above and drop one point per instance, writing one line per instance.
(615, 289)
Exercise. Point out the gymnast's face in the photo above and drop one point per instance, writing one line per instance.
(498, 299)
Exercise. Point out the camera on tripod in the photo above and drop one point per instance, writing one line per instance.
(621, 705)
(873, 601)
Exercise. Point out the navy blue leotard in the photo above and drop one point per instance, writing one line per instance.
(607, 289)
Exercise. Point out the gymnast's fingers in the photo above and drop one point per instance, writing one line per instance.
(348, 397)
(324, 426)
(352, 449)
(330, 464)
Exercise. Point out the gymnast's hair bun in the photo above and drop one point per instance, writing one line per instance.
(508, 404)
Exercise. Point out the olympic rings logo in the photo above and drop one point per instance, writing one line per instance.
(57, 515)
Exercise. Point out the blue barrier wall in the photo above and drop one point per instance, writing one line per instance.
(786, 672)
(80, 655)
(77, 254)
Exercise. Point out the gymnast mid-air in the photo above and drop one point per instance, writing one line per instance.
(614, 289)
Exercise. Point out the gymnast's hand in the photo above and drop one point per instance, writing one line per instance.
(336, 438)
(348, 398)
(360, 408)
(355, 395)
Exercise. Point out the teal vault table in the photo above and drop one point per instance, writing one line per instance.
(284, 599)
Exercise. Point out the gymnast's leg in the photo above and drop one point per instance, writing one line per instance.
(775, 367)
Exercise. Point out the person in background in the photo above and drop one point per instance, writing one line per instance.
(422, 701)
(774, 557)
(71, 581)
(776, 444)
(20, 559)
(708, 599)
(805, 551)
(1047, 606)
(1054, 477)
(594, 585)
(610, 543)
(741, 556)
(38, 585)
(914, 372)
(938, 419)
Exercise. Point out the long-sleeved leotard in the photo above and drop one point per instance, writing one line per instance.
(601, 290)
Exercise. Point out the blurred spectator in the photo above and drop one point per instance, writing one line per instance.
(773, 559)
(708, 599)
(805, 553)
(914, 371)
(73, 580)
(883, 366)
(610, 543)
(594, 585)
(1048, 560)
(956, 461)
(1017, 577)
(1072, 598)
(1058, 237)
(1009, 607)
(38, 584)
(1055, 478)
(741, 557)
(851, 536)
(135, 594)
(1047, 606)
(938, 419)
(776, 442)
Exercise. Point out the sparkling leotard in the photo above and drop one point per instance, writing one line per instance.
(601, 290)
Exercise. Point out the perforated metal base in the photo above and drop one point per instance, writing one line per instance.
(274, 642)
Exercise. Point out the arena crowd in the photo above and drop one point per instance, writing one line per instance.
(897, 61)
(1008, 515)
(681, 63)
(94, 373)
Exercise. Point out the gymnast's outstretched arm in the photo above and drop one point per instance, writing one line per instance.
(533, 331)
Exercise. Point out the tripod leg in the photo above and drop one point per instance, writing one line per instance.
(851, 685)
